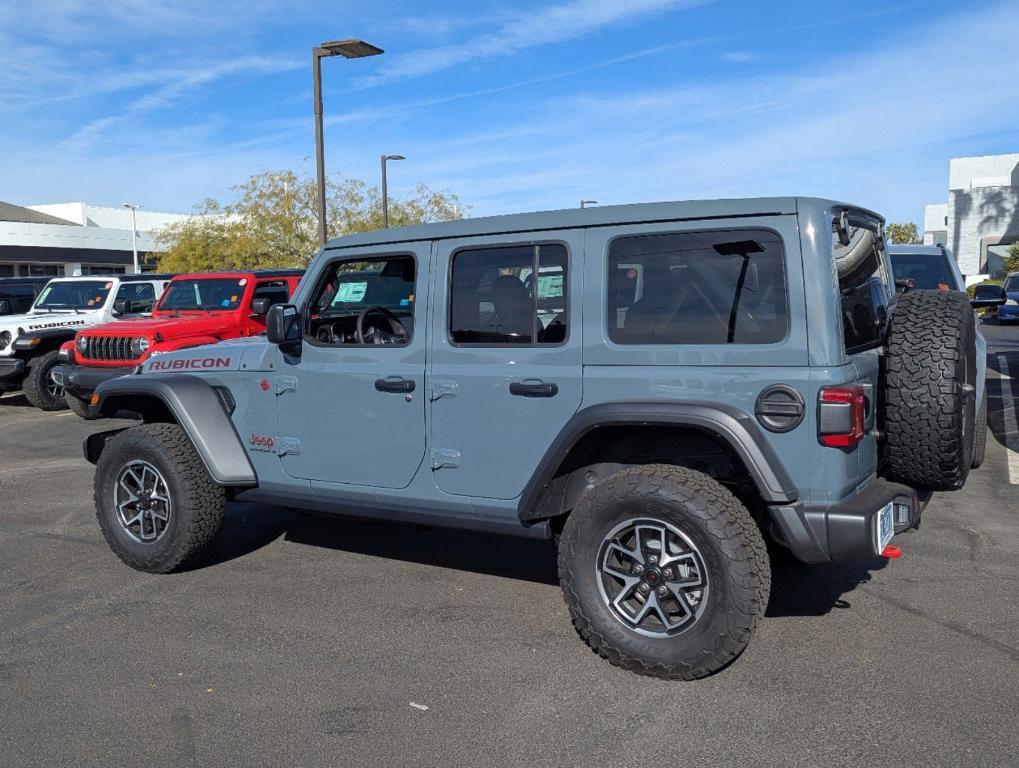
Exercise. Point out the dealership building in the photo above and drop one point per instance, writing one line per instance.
(67, 239)
(981, 218)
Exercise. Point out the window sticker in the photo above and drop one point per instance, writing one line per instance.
(351, 292)
(550, 286)
(242, 281)
(108, 286)
(233, 298)
(226, 302)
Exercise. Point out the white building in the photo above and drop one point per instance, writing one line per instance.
(74, 238)
(981, 218)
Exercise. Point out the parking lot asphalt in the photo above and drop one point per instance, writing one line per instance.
(303, 641)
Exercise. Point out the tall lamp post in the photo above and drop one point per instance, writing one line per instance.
(385, 187)
(348, 49)
(134, 231)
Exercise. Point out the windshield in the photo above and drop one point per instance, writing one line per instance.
(926, 272)
(203, 294)
(74, 294)
(1012, 283)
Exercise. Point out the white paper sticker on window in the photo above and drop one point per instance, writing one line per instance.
(351, 292)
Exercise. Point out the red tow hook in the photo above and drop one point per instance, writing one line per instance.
(891, 551)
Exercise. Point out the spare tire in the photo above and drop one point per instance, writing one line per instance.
(930, 368)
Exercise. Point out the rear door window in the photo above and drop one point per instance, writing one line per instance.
(925, 271)
(716, 287)
(864, 290)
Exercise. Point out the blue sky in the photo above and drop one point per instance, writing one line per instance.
(515, 106)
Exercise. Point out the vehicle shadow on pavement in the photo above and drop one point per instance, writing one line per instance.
(249, 527)
(12, 400)
(797, 589)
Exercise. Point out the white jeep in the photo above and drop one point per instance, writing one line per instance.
(30, 342)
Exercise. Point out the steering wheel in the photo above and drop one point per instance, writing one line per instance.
(396, 334)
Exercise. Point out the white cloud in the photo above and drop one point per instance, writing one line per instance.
(737, 57)
(530, 29)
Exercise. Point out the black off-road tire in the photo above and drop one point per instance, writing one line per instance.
(930, 374)
(732, 549)
(980, 435)
(37, 382)
(78, 406)
(197, 503)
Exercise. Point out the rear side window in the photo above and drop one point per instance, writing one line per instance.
(719, 287)
(277, 291)
(863, 290)
(141, 295)
(924, 271)
(509, 295)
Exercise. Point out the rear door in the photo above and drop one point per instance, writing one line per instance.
(505, 372)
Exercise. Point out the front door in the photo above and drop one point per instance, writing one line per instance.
(505, 369)
(351, 407)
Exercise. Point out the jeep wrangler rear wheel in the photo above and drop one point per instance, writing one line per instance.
(930, 374)
(40, 390)
(155, 502)
(664, 572)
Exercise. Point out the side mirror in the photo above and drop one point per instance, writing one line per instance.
(282, 324)
(988, 295)
(5, 307)
(260, 306)
(122, 307)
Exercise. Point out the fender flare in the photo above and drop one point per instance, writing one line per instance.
(197, 408)
(736, 429)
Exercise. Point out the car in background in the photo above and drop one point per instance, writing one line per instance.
(196, 309)
(1009, 311)
(932, 267)
(17, 294)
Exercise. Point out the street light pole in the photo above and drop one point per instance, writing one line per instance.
(134, 232)
(348, 49)
(385, 187)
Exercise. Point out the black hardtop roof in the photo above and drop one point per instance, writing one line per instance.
(246, 273)
(24, 280)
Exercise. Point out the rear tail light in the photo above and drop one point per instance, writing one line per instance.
(841, 416)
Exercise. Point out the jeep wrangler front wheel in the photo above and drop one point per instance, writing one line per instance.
(39, 388)
(664, 572)
(155, 502)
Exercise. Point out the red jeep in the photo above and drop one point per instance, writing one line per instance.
(195, 309)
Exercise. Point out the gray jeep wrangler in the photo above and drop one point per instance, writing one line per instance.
(659, 387)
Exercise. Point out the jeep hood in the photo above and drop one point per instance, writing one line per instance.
(42, 319)
(210, 358)
(168, 328)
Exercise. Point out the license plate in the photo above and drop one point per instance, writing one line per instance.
(885, 526)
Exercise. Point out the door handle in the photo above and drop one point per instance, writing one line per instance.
(530, 388)
(394, 384)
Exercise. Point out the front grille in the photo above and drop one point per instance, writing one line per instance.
(108, 348)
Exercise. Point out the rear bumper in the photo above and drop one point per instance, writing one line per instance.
(82, 380)
(846, 530)
(11, 368)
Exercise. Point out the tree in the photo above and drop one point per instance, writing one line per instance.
(272, 222)
(1012, 260)
(904, 234)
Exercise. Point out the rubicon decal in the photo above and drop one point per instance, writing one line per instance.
(198, 363)
(57, 324)
(262, 442)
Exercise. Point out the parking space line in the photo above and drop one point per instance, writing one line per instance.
(1009, 420)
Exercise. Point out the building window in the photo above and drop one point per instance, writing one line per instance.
(102, 269)
(41, 270)
(6, 270)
